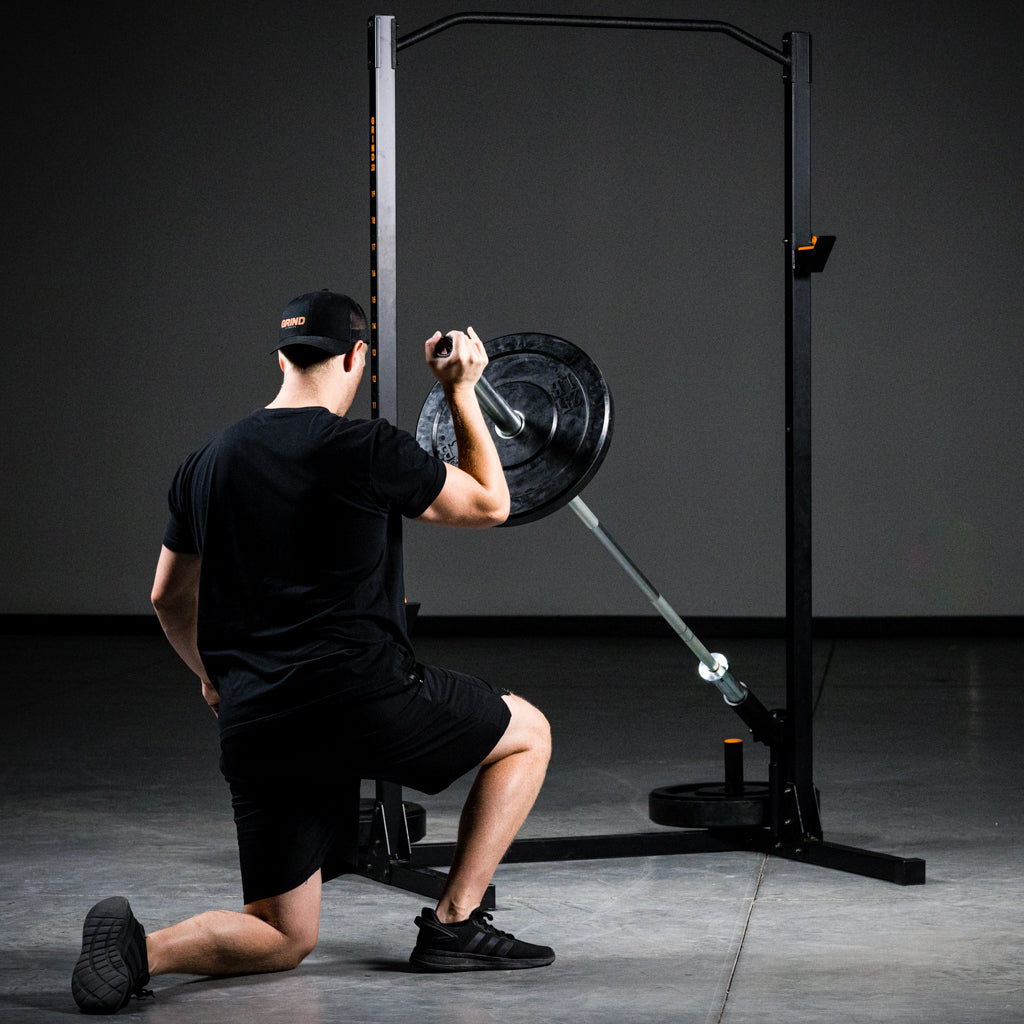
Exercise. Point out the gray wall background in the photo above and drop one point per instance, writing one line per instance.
(177, 172)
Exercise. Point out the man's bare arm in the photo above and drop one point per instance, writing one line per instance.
(175, 599)
(475, 492)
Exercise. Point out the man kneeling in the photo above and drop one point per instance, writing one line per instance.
(279, 584)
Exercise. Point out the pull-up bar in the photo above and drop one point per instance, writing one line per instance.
(587, 21)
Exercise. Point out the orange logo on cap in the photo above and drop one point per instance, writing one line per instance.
(294, 321)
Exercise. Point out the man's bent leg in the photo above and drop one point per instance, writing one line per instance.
(506, 786)
(458, 935)
(274, 934)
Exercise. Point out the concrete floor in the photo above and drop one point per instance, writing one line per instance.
(110, 786)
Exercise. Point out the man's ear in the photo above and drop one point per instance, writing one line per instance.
(352, 354)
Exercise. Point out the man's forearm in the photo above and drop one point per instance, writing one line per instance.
(477, 455)
(178, 622)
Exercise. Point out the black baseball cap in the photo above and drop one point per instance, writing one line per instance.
(325, 320)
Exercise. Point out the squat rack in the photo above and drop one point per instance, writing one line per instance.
(795, 830)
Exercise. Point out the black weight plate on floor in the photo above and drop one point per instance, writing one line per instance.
(707, 805)
(415, 815)
(567, 408)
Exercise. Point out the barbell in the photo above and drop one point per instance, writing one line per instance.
(551, 414)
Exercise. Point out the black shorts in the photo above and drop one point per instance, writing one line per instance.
(295, 781)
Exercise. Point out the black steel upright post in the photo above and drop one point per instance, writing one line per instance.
(798, 764)
(389, 828)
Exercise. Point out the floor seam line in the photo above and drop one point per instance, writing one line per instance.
(743, 939)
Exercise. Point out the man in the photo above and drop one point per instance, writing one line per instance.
(279, 584)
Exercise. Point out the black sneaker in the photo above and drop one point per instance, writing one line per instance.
(473, 945)
(113, 966)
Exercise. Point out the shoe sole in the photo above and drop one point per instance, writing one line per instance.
(469, 962)
(101, 982)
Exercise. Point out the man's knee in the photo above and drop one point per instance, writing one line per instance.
(528, 731)
(296, 942)
(295, 916)
(543, 735)
(297, 951)
(300, 941)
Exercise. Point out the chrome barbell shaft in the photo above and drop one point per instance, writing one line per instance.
(714, 668)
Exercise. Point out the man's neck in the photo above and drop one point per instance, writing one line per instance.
(299, 398)
(299, 394)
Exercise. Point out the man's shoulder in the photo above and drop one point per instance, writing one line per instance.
(235, 435)
(376, 431)
(316, 427)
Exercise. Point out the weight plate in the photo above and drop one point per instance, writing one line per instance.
(708, 805)
(567, 412)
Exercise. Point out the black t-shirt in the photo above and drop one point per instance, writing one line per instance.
(295, 513)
